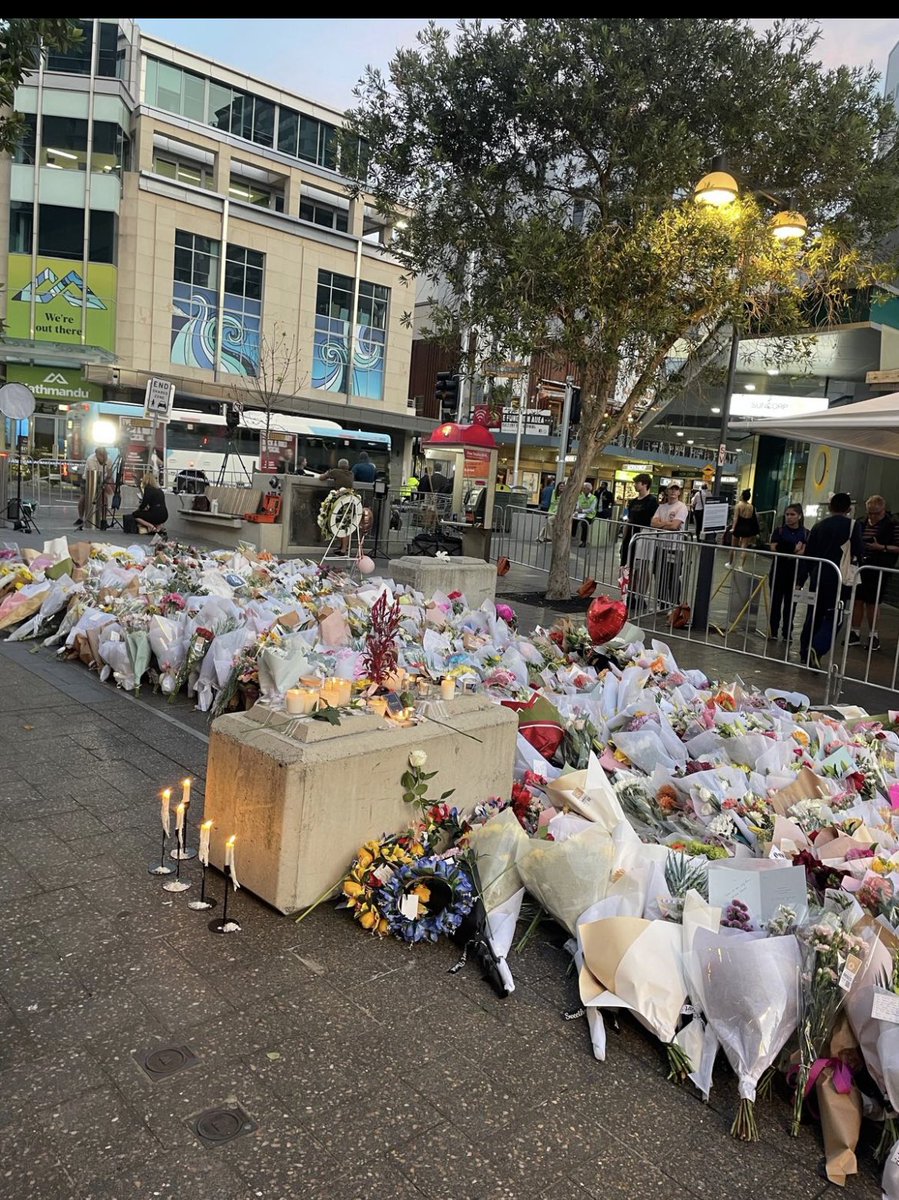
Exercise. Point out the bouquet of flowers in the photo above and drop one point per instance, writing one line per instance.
(831, 959)
(748, 990)
(200, 641)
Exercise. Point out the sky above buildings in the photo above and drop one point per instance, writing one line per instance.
(323, 59)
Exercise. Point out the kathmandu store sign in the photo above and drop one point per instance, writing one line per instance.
(64, 385)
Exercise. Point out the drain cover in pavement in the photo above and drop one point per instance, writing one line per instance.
(216, 1126)
(165, 1060)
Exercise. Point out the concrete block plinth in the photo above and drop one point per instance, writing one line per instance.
(302, 796)
(471, 576)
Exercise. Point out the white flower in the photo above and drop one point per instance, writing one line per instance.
(722, 826)
(417, 758)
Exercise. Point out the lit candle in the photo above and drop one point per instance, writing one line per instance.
(179, 825)
(331, 690)
(166, 816)
(229, 858)
(345, 691)
(205, 831)
(447, 689)
(185, 792)
(301, 701)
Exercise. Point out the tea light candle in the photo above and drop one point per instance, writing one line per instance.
(301, 701)
(447, 689)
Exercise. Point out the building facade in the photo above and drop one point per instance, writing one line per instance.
(171, 217)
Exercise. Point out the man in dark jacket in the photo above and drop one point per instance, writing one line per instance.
(827, 540)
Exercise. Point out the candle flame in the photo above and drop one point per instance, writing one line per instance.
(184, 781)
(206, 825)
(229, 845)
(167, 794)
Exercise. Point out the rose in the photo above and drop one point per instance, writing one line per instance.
(417, 759)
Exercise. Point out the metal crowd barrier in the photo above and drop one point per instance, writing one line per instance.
(525, 538)
(413, 514)
(750, 589)
(877, 589)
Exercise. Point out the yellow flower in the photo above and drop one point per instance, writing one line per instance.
(364, 861)
(352, 889)
(621, 757)
(370, 919)
(383, 928)
(418, 850)
(801, 737)
(423, 892)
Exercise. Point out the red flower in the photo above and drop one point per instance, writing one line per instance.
(205, 633)
(454, 596)
(856, 780)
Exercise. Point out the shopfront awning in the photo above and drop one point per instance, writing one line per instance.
(871, 427)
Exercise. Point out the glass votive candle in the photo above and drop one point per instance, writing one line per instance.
(330, 691)
(344, 691)
(301, 701)
(447, 689)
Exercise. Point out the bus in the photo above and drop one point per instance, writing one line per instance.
(199, 442)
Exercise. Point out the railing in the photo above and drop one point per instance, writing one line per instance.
(412, 514)
(525, 539)
(756, 596)
(870, 608)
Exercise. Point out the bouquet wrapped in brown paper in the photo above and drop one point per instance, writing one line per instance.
(839, 1102)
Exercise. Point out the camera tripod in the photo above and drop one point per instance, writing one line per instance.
(17, 511)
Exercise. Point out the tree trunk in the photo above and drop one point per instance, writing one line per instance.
(558, 585)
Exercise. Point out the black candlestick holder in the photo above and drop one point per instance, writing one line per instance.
(205, 901)
(160, 868)
(224, 923)
(177, 884)
(182, 850)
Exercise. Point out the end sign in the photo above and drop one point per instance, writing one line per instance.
(158, 399)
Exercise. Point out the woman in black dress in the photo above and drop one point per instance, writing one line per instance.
(152, 513)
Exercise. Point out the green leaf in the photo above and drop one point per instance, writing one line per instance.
(409, 797)
(446, 795)
(407, 780)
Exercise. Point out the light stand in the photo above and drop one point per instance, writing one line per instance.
(22, 518)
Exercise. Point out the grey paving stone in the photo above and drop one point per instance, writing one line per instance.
(367, 1179)
(168, 1174)
(96, 1133)
(31, 1166)
(445, 1167)
(38, 983)
(75, 825)
(48, 1081)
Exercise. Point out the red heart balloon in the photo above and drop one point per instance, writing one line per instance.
(605, 619)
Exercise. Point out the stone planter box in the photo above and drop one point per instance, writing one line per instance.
(472, 576)
(302, 796)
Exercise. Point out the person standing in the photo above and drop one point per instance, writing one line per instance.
(96, 486)
(697, 507)
(787, 541)
(670, 519)
(585, 513)
(745, 528)
(340, 477)
(640, 512)
(546, 532)
(604, 501)
(364, 469)
(546, 495)
(827, 540)
(881, 545)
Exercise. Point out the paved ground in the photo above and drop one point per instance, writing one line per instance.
(369, 1071)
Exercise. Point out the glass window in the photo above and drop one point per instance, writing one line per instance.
(327, 147)
(288, 128)
(196, 260)
(307, 147)
(65, 143)
(335, 295)
(324, 214)
(331, 344)
(61, 232)
(21, 225)
(76, 60)
(103, 236)
(110, 148)
(26, 147)
(108, 50)
(182, 171)
(196, 312)
(175, 89)
(193, 96)
(263, 122)
(219, 106)
(372, 305)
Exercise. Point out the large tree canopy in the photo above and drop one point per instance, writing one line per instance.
(21, 39)
(546, 170)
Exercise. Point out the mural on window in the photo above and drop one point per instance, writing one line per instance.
(196, 305)
(330, 357)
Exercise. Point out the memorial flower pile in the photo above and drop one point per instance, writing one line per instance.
(724, 860)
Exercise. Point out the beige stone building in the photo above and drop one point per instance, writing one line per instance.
(170, 217)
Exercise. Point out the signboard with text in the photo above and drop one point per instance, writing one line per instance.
(59, 385)
(158, 399)
(536, 421)
(277, 451)
(62, 301)
(477, 464)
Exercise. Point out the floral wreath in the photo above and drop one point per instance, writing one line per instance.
(329, 504)
(442, 892)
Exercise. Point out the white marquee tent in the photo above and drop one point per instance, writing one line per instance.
(871, 427)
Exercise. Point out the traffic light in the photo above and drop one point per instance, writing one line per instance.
(446, 393)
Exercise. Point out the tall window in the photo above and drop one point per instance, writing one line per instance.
(61, 232)
(76, 60)
(195, 320)
(331, 349)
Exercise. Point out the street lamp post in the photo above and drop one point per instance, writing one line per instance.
(718, 189)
